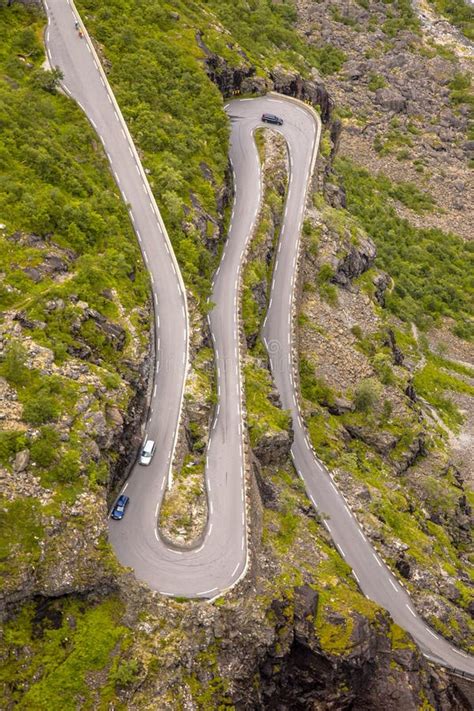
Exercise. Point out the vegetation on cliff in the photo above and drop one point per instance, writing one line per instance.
(431, 269)
(73, 294)
(459, 12)
(155, 65)
(138, 649)
(369, 386)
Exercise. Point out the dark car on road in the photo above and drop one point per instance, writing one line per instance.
(119, 509)
(271, 118)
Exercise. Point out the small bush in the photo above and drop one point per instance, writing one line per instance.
(366, 396)
(14, 364)
(376, 82)
(125, 673)
(48, 80)
(325, 274)
(44, 449)
(10, 444)
(41, 408)
(313, 388)
(68, 468)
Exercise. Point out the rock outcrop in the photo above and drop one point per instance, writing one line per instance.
(242, 79)
(355, 262)
(312, 90)
(273, 447)
(391, 100)
(382, 282)
(296, 673)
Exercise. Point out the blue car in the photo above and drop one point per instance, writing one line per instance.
(119, 509)
(271, 118)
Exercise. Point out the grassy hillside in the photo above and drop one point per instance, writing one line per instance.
(71, 281)
(459, 12)
(432, 269)
(173, 111)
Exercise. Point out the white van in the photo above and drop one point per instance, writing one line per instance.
(148, 450)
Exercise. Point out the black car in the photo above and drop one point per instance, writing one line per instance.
(119, 509)
(271, 118)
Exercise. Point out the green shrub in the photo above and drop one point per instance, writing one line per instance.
(313, 388)
(48, 80)
(461, 92)
(68, 468)
(13, 367)
(325, 273)
(330, 59)
(41, 407)
(10, 444)
(383, 367)
(404, 19)
(366, 396)
(376, 82)
(411, 196)
(125, 673)
(44, 449)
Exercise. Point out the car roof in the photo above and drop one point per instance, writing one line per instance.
(148, 446)
(122, 499)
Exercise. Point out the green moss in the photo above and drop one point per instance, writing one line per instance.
(263, 417)
(211, 692)
(399, 638)
(334, 633)
(65, 649)
(325, 145)
(21, 532)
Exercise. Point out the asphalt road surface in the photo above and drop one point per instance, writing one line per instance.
(220, 558)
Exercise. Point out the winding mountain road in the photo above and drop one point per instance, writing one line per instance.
(220, 558)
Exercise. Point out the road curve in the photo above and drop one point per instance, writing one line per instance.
(373, 576)
(220, 559)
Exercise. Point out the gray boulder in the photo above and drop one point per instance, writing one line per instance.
(22, 460)
(274, 447)
(390, 100)
(356, 261)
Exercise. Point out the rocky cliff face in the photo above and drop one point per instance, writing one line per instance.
(243, 80)
(297, 674)
(287, 637)
(350, 350)
(395, 92)
(66, 422)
